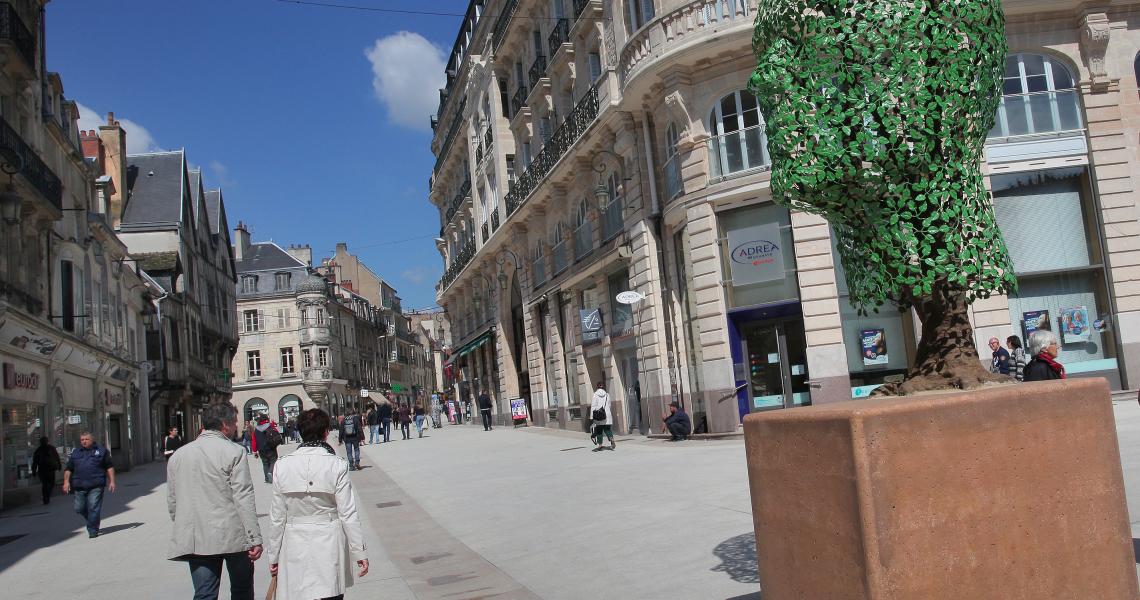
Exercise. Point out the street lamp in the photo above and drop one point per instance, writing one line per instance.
(10, 202)
(502, 277)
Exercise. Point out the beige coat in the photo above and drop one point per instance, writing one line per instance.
(210, 497)
(315, 535)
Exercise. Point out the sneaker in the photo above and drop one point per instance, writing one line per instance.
(93, 535)
(597, 449)
(613, 445)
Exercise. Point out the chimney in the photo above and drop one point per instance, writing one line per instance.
(241, 241)
(114, 150)
(93, 148)
(302, 253)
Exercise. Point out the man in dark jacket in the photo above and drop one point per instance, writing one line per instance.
(45, 462)
(384, 415)
(485, 410)
(89, 470)
(678, 423)
(351, 434)
(373, 421)
(266, 439)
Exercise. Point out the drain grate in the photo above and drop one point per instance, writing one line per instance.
(389, 504)
(6, 539)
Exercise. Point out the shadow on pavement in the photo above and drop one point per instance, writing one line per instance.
(738, 558)
(41, 527)
(752, 596)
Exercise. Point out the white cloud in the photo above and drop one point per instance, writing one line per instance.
(138, 138)
(407, 72)
(221, 174)
(416, 275)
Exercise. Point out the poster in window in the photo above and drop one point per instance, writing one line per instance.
(1075, 325)
(874, 345)
(1034, 320)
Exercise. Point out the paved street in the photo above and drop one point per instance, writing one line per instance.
(468, 514)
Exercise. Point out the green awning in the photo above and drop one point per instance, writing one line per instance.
(474, 344)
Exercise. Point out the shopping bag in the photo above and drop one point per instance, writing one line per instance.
(272, 593)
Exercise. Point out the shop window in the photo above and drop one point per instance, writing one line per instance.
(758, 255)
(1039, 96)
(255, 407)
(621, 319)
(1064, 290)
(22, 426)
(739, 142)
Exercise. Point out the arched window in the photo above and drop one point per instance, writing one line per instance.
(583, 230)
(1039, 96)
(288, 408)
(255, 407)
(612, 218)
(637, 14)
(738, 142)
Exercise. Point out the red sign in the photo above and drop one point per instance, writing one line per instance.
(13, 379)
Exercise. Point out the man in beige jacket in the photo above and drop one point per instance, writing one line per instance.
(210, 497)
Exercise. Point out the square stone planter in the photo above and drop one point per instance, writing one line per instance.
(1010, 492)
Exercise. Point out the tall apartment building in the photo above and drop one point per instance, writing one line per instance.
(306, 342)
(590, 147)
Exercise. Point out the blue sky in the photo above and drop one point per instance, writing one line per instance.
(313, 121)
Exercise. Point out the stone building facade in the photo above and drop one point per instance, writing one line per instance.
(590, 147)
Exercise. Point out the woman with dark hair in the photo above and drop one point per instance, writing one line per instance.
(405, 414)
(1016, 356)
(315, 530)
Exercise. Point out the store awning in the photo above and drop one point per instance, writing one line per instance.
(473, 345)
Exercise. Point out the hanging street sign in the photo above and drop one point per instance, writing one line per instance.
(630, 297)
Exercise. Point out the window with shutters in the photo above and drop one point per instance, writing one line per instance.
(253, 363)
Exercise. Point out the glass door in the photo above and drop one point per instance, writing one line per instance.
(776, 357)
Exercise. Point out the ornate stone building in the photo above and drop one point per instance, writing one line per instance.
(590, 147)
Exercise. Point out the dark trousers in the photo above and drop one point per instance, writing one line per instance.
(678, 430)
(405, 429)
(47, 482)
(267, 463)
(206, 572)
(486, 414)
(89, 505)
(386, 427)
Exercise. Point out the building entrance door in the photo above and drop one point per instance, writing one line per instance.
(776, 355)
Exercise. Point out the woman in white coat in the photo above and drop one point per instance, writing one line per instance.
(603, 423)
(315, 531)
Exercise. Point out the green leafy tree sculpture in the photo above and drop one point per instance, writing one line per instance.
(877, 112)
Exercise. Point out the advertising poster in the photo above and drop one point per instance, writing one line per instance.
(591, 325)
(1075, 325)
(874, 345)
(1034, 320)
(756, 254)
(518, 409)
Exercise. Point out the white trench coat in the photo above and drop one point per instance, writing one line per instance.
(315, 536)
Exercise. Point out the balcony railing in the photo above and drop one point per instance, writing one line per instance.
(537, 70)
(560, 35)
(579, 7)
(679, 27)
(479, 153)
(558, 256)
(518, 101)
(458, 262)
(486, 232)
(672, 172)
(13, 30)
(34, 170)
(739, 151)
(564, 137)
(488, 140)
(505, 16)
(539, 270)
(583, 240)
(612, 220)
(457, 201)
(452, 130)
(495, 219)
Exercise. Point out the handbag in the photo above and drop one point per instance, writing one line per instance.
(599, 414)
(272, 592)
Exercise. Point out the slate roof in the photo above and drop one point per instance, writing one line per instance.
(154, 185)
(267, 256)
(214, 210)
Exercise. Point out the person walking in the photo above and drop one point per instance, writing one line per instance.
(351, 434)
(485, 409)
(999, 362)
(209, 494)
(384, 413)
(266, 439)
(45, 463)
(247, 437)
(170, 443)
(1044, 348)
(1017, 358)
(405, 421)
(88, 473)
(315, 532)
(419, 415)
(373, 419)
(602, 415)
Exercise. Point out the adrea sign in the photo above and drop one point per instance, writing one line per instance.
(756, 254)
(629, 297)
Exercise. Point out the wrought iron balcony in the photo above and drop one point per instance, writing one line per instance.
(13, 31)
(567, 133)
(456, 121)
(486, 233)
(518, 101)
(505, 16)
(479, 153)
(34, 170)
(458, 262)
(457, 201)
(495, 219)
(560, 35)
(579, 6)
(537, 70)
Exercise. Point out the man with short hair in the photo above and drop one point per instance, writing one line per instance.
(999, 363)
(351, 434)
(485, 409)
(89, 470)
(210, 498)
(373, 420)
(677, 422)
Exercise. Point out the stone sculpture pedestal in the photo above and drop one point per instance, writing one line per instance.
(1011, 492)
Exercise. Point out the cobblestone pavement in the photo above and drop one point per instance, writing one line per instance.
(467, 514)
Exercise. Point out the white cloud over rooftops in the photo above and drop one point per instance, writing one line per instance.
(139, 140)
(407, 72)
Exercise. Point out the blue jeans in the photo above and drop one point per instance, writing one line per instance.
(386, 427)
(373, 433)
(420, 425)
(89, 505)
(352, 449)
(206, 572)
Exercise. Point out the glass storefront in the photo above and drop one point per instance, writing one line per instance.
(75, 422)
(22, 426)
(290, 408)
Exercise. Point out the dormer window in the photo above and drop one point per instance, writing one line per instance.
(248, 284)
(282, 281)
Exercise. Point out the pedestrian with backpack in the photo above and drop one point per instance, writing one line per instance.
(266, 439)
(351, 434)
